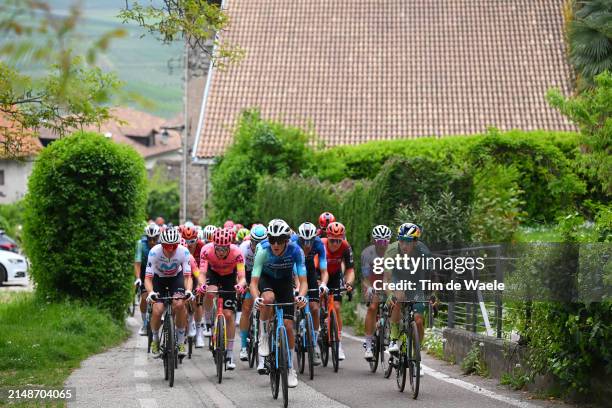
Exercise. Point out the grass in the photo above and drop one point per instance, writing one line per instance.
(40, 344)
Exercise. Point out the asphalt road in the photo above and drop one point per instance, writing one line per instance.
(127, 377)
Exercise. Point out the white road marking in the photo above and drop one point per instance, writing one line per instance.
(147, 402)
(463, 384)
(143, 387)
(140, 374)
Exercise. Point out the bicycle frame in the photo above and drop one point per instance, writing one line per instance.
(280, 325)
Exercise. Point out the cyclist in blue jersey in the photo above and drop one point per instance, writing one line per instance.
(272, 282)
(312, 246)
(144, 245)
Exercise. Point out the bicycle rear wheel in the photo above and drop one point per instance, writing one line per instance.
(401, 371)
(274, 371)
(414, 359)
(334, 342)
(283, 364)
(299, 343)
(252, 341)
(375, 353)
(383, 340)
(189, 347)
(149, 333)
(220, 348)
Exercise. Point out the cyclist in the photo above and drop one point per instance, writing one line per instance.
(209, 232)
(313, 247)
(196, 323)
(258, 234)
(325, 219)
(408, 243)
(381, 236)
(160, 221)
(168, 266)
(272, 281)
(242, 234)
(222, 268)
(143, 246)
(338, 251)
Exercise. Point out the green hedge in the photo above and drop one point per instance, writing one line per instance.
(84, 209)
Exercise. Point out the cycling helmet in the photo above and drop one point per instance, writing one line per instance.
(325, 219)
(209, 232)
(228, 224)
(189, 224)
(238, 227)
(170, 236)
(408, 232)
(189, 233)
(242, 234)
(307, 231)
(201, 235)
(222, 237)
(279, 228)
(152, 231)
(275, 220)
(259, 233)
(381, 232)
(336, 230)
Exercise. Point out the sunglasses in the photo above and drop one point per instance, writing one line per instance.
(169, 247)
(277, 240)
(381, 242)
(335, 241)
(307, 242)
(191, 241)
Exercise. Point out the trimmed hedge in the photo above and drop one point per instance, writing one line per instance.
(84, 209)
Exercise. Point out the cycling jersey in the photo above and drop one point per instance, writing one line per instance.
(225, 266)
(335, 259)
(194, 266)
(278, 267)
(142, 255)
(248, 254)
(367, 264)
(197, 251)
(164, 267)
(309, 258)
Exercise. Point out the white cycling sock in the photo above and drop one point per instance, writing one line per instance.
(144, 316)
(368, 342)
(180, 335)
(155, 335)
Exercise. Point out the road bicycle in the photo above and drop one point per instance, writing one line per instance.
(218, 344)
(380, 338)
(168, 341)
(408, 359)
(253, 338)
(330, 329)
(278, 362)
(305, 338)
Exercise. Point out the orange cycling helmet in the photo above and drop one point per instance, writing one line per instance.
(189, 233)
(325, 219)
(336, 230)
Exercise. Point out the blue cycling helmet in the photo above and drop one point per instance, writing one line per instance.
(259, 233)
(408, 232)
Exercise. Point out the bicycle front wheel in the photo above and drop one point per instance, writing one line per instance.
(171, 348)
(252, 342)
(283, 364)
(414, 360)
(299, 343)
(274, 371)
(383, 339)
(334, 341)
(310, 345)
(220, 347)
(375, 353)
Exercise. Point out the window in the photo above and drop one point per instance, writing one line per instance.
(1, 177)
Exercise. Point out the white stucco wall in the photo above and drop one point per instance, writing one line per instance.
(16, 175)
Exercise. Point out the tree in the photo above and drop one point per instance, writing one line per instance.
(591, 111)
(590, 39)
(73, 94)
(196, 21)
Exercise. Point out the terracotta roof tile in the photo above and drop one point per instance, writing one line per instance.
(360, 70)
(15, 142)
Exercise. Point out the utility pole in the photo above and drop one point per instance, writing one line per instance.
(183, 211)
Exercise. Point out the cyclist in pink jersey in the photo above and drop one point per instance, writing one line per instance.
(222, 268)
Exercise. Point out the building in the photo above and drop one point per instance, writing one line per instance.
(15, 168)
(361, 70)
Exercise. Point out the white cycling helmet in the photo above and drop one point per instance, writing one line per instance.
(201, 234)
(152, 230)
(209, 232)
(170, 236)
(381, 232)
(307, 231)
(278, 228)
(189, 224)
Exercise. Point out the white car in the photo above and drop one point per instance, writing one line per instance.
(13, 268)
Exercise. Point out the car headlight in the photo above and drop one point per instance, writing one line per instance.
(15, 260)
